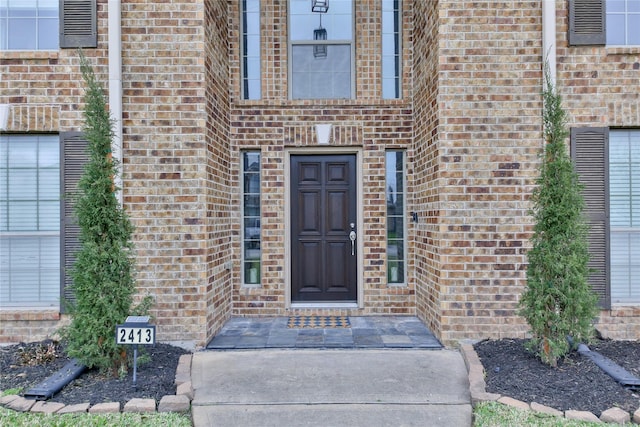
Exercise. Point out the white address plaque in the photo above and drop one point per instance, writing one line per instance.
(134, 334)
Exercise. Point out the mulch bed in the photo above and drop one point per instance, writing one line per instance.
(25, 365)
(576, 384)
(510, 370)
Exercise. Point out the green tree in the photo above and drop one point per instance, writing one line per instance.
(103, 273)
(558, 301)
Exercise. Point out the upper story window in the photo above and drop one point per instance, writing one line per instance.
(623, 22)
(250, 43)
(391, 49)
(29, 24)
(321, 49)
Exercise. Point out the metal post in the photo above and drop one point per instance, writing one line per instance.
(135, 366)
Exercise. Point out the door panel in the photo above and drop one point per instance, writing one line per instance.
(323, 204)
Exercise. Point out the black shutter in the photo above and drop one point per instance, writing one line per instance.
(589, 149)
(73, 157)
(587, 22)
(78, 23)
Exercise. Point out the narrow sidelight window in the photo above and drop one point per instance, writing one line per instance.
(251, 217)
(250, 67)
(391, 49)
(396, 262)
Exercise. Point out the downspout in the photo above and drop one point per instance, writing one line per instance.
(115, 85)
(549, 37)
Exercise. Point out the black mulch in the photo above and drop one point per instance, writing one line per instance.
(25, 365)
(575, 384)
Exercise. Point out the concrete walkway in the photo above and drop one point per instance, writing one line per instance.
(346, 387)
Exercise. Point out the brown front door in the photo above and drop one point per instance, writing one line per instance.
(323, 217)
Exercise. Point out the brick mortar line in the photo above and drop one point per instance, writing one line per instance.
(183, 388)
(478, 389)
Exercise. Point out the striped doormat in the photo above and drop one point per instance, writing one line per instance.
(318, 322)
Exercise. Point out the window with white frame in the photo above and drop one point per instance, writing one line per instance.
(624, 215)
(623, 22)
(322, 49)
(396, 263)
(391, 23)
(250, 45)
(251, 230)
(29, 220)
(29, 25)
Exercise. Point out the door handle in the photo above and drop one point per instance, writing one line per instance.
(352, 237)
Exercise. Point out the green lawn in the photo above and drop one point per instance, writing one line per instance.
(24, 419)
(492, 414)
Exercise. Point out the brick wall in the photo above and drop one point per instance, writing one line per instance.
(170, 154)
(599, 86)
(488, 139)
(44, 90)
(424, 173)
(275, 124)
(174, 184)
(218, 180)
(469, 120)
(27, 325)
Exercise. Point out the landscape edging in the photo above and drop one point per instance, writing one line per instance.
(478, 389)
(183, 388)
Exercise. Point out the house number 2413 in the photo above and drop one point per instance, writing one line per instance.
(135, 335)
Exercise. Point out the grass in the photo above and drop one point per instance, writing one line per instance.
(492, 414)
(24, 419)
(487, 414)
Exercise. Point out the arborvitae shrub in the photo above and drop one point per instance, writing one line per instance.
(558, 301)
(103, 276)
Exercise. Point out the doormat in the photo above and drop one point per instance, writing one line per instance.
(319, 322)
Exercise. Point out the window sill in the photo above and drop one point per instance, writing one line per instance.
(396, 285)
(626, 304)
(320, 103)
(251, 285)
(29, 313)
(29, 54)
(622, 50)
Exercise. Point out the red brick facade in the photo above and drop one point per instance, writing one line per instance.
(469, 119)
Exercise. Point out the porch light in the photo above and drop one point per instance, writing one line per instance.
(320, 50)
(320, 6)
